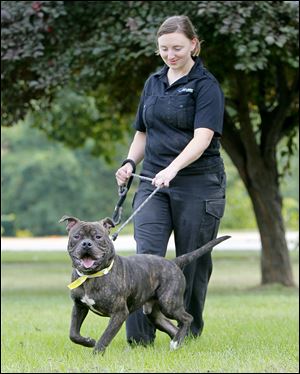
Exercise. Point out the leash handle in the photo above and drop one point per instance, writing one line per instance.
(117, 214)
(142, 177)
(115, 235)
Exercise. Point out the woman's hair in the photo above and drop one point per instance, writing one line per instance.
(180, 24)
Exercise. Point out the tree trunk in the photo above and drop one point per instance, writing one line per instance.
(257, 166)
(263, 188)
(275, 259)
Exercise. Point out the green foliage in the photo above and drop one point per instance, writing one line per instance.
(291, 213)
(251, 34)
(43, 49)
(27, 37)
(42, 181)
(78, 120)
(78, 69)
(107, 47)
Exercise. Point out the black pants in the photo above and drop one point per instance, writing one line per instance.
(191, 207)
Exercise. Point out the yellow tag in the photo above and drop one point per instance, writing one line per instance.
(78, 282)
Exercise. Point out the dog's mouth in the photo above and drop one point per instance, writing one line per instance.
(87, 262)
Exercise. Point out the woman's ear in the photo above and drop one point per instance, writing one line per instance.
(194, 44)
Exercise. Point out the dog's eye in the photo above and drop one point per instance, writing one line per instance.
(98, 237)
(76, 237)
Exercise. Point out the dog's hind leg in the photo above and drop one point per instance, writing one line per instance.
(184, 320)
(161, 322)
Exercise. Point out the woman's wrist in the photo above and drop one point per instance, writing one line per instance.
(173, 167)
(131, 162)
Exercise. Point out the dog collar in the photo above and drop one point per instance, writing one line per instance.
(83, 278)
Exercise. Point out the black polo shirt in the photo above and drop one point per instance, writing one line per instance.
(169, 114)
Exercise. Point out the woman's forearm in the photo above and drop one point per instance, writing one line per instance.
(194, 149)
(136, 154)
(137, 148)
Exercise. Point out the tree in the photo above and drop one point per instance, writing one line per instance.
(262, 108)
(42, 180)
(108, 47)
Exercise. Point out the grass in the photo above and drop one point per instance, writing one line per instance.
(248, 328)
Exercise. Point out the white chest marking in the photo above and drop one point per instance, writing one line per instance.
(86, 300)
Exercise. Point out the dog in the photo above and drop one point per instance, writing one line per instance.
(115, 286)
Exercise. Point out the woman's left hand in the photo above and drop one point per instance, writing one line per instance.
(164, 177)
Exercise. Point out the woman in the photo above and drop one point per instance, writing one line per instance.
(178, 126)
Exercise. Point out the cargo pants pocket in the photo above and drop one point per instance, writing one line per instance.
(214, 211)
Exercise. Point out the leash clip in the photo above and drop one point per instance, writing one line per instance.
(123, 190)
(117, 215)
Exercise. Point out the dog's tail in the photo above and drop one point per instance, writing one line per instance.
(186, 259)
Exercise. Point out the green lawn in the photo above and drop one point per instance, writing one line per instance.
(248, 328)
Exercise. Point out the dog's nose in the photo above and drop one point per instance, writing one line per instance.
(87, 243)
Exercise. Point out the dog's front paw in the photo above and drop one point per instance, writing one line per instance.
(99, 350)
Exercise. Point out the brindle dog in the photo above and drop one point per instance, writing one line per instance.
(124, 284)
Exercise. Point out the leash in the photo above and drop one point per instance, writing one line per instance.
(118, 208)
(116, 217)
(142, 177)
(117, 214)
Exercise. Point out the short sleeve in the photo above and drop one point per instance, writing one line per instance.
(138, 123)
(209, 110)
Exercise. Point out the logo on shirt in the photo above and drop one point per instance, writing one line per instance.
(184, 89)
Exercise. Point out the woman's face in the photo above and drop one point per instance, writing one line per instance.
(175, 49)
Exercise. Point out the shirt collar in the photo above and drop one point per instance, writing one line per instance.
(194, 72)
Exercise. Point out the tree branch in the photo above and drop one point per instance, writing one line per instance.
(272, 125)
(252, 151)
(233, 145)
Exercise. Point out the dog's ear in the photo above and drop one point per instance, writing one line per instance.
(71, 221)
(107, 223)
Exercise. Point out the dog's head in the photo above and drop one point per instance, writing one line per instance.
(89, 246)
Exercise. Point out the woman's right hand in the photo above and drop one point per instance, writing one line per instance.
(123, 174)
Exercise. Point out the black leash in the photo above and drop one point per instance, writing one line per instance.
(115, 235)
(116, 217)
(117, 214)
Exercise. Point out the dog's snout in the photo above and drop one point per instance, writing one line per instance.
(86, 243)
